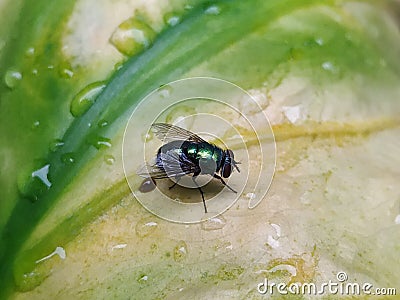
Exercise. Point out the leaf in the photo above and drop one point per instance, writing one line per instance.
(323, 71)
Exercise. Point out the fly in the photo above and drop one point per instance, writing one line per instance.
(185, 153)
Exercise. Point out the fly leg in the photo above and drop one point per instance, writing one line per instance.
(200, 190)
(175, 183)
(224, 183)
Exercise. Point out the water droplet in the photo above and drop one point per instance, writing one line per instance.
(103, 142)
(278, 229)
(147, 136)
(165, 91)
(68, 158)
(102, 123)
(215, 223)
(59, 251)
(172, 19)
(132, 36)
(329, 66)
(65, 70)
(30, 52)
(85, 98)
(319, 41)
(100, 142)
(145, 227)
(250, 196)
(42, 174)
(180, 251)
(35, 72)
(181, 116)
(147, 185)
(109, 159)
(66, 73)
(28, 281)
(56, 144)
(118, 65)
(32, 184)
(222, 246)
(212, 10)
(273, 243)
(119, 246)
(12, 78)
(36, 124)
(142, 278)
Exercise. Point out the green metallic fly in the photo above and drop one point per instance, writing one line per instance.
(185, 153)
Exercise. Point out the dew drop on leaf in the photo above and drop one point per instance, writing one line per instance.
(214, 223)
(100, 142)
(165, 91)
(102, 123)
(12, 78)
(250, 196)
(180, 251)
(30, 280)
(31, 184)
(118, 65)
(319, 41)
(145, 227)
(132, 36)
(329, 66)
(109, 159)
(66, 73)
(36, 124)
(56, 144)
(85, 98)
(212, 10)
(143, 278)
(171, 19)
(42, 175)
(30, 52)
(68, 158)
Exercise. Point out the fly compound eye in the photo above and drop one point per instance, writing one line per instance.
(226, 169)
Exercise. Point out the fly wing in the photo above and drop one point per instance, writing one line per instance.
(168, 133)
(153, 171)
(177, 165)
(171, 164)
